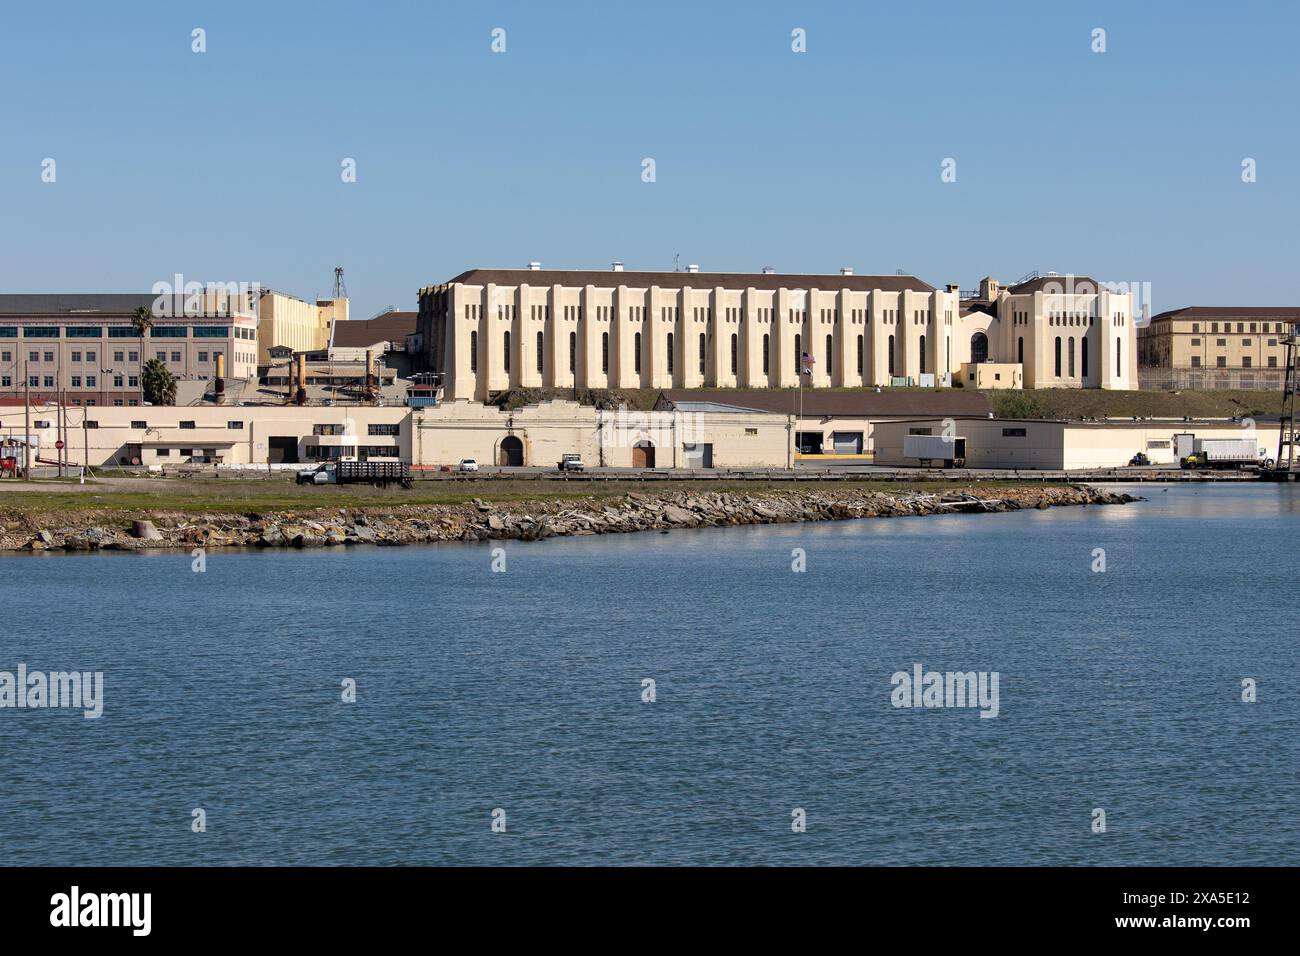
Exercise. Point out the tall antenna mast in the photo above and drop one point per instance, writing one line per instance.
(340, 287)
(677, 256)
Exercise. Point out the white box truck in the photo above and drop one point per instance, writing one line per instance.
(1225, 453)
(949, 450)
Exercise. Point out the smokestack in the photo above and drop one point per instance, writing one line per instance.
(301, 396)
(219, 387)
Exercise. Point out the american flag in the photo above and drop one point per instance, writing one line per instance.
(808, 360)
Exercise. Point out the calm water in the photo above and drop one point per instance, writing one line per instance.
(522, 690)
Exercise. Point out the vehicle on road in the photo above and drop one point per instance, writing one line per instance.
(381, 474)
(467, 464)
(1225, 453)
(572, 463)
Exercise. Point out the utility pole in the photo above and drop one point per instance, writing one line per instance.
(27, 424)
(1286, 427)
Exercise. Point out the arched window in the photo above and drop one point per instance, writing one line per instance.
(505, 350)
(923, 355)
(979, 348)
(1070, 355)
(541, 352)
(859, 355)
(830, 349)
(604, 351)
(1020, 350)
(573, 351)
(798, 352)
(704, 353)
(670, 353)
(636, 353)
(1083, 356)
(1119, 364)
(735, 355)
(1058, 356)
(473, 351)
(891, 355)
(767, 356)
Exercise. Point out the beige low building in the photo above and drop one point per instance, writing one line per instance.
(987, 376)
(1060, 445)
(832, 424)
(540, 435)
(429, 437)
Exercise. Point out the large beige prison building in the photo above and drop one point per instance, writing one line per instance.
(488, 330)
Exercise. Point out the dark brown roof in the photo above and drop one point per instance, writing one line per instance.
(1081, 285)
(857, 403)
(696, 280)
(389, 327)
(979, 305)
(1289, 313)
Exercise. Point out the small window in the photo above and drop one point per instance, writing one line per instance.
(139, 424)
(235, 426)
(1013, 433)
(89, 424)
(186, 424)
(163, 452)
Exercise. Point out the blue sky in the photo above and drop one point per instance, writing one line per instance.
(225, 166)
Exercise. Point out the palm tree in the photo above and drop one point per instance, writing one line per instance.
(158, 383)
(142, 324)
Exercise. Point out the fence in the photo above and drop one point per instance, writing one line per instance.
(1211, 379)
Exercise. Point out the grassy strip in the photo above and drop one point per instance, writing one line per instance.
(259, 496)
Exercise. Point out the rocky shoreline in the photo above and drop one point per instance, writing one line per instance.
(515, 520)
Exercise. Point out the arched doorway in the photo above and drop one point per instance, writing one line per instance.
(512, 452)
(979, 348)
(643, 455)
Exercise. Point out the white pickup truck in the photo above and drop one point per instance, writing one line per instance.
(572, 463)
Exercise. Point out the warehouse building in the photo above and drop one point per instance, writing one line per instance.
(1060, 445)
(831, 424)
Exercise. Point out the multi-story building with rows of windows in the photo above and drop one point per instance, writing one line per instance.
(1218, 337)
(87, 347)
(488, 330)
